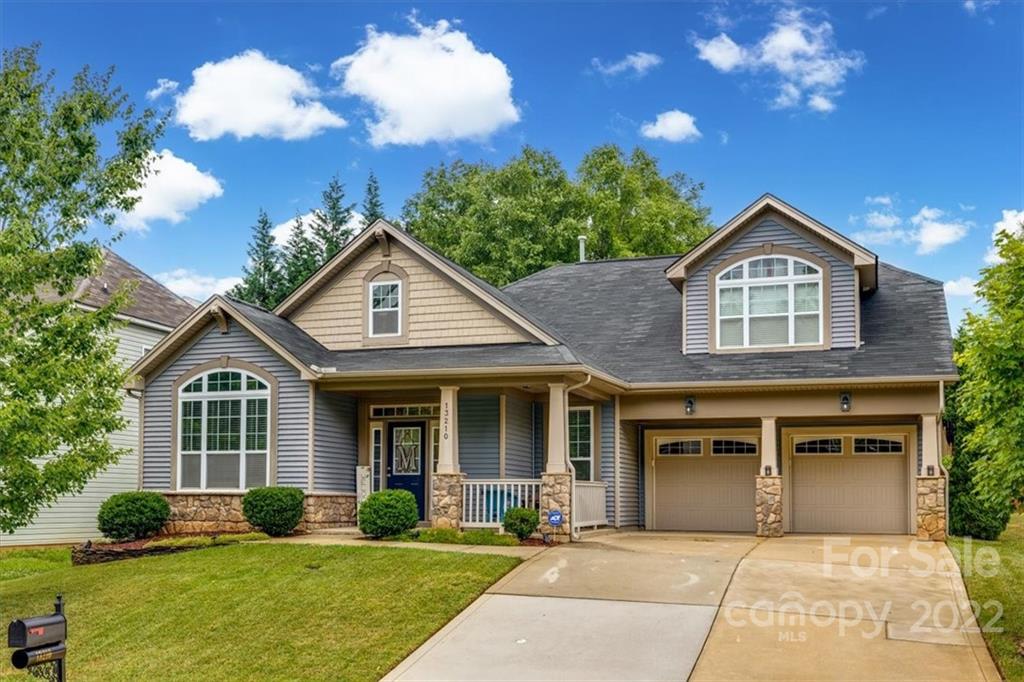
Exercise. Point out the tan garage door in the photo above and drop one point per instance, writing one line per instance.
(705, 493)
(849, 493)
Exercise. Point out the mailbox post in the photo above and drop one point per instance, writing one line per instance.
(40, 641)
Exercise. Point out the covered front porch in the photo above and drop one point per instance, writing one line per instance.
(468, 451)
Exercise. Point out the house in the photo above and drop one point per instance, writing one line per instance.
(153, 312)
(777, 378)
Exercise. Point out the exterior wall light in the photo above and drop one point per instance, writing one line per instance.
(931, 469)
(844, 402)
(690, 406)
(767, 469)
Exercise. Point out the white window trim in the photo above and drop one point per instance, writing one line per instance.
(590, 411)
(902, 438)
(376, 466)
(204, 397)
(370, 310)
(658, 440)
(803, 439)
(745, 282)
(754, 440)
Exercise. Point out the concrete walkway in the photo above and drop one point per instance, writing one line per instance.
(673, 606)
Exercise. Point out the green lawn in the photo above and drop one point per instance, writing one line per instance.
(254, 611)
(18, 563)
(1006, 588)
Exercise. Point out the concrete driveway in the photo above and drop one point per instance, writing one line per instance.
(675, 606)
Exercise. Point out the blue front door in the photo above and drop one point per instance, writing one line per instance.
(406, 463)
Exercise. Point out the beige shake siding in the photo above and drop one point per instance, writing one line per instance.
(439, 313)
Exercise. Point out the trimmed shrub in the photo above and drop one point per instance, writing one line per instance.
(388, 512)
(275, 511)
(133, 515)
(521, 522)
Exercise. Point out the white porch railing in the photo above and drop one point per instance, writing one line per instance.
(589, 507)
(484, 502)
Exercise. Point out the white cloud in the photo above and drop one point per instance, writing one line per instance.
(800, 50)
(283, 231)
(1012, 222)
(163, 87)
(638, 62)
(880, 200)
(972, 7)
(723, 137)
(932, 233)
(881, 236)
(173, 188)
(431, 85)
(876, 12)
(882, 220)
(191, 284)
(673, 126)
(249, 95)
(964, 286)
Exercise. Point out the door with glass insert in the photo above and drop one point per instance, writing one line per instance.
(406, 462)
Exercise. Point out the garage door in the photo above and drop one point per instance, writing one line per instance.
(849, 484)
(698, 486)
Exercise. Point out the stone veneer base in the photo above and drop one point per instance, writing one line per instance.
(556, 495)
(931, 508)
(446, 500)
(768, 506)
(222, 513)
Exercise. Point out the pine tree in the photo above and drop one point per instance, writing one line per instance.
(330, 223)
(373, 207)
(301, 256)
(263, 281)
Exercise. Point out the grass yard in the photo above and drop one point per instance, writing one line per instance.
(18, 563)
(254, 611)
(1006, 588)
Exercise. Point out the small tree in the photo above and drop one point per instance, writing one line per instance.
(61, 386)
(301, 256)
(992, 371)
(373, 206)
(331, 223)
(263, 281)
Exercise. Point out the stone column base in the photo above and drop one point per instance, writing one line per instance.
(328, 511)
(556, 495)
(199, 513)
(768, 506)
(446, 500)
(931, 508)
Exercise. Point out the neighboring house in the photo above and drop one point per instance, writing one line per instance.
(153, 312)
(777, 378)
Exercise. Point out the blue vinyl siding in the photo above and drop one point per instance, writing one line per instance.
(335, 436)
(606, 416)
(630, 473)
(518, 438)
(478, 435)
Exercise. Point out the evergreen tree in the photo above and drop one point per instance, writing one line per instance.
(373, 207)
(301, 256)
(331, 223)
(263, 282)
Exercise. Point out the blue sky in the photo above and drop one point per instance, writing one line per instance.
(897, 123)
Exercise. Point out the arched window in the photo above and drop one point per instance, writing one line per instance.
(769, 301)
(223, 431)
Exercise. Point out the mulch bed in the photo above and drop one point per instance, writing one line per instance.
(101, 553)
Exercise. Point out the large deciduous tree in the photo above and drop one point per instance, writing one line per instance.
(69, 161)
(510, 221)
(991, 361)
(263, 281)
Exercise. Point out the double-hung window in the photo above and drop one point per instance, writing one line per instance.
(581, 442)
(385, 308)
(223, 432)
(770, 301)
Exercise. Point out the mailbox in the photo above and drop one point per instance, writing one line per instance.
(29, 633)
(29, 658)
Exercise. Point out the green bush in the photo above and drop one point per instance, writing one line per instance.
(387, 513)
(275, 511)
(133, 515)
(476, 536)
(521, 522)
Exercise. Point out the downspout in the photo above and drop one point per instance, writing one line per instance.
(573, 533)
(942, 434)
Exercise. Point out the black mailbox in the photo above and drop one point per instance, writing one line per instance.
(29, 633)
(29, 658)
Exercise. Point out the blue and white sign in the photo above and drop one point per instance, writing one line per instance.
(554, 518)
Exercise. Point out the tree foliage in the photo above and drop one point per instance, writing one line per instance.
(991, 360)
(510, 221)
(263, 279)
(331, 223)
(61, 386)
(301, 256)
(373, 206)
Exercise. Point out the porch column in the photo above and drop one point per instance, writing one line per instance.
(768, 490)
(931, 485)
(446, 485)
(556, 481)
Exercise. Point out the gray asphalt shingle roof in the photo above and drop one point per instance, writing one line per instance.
(626, 317)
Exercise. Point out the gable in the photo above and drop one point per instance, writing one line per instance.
(436, 312)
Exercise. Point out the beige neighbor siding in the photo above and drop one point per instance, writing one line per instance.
(439, 313)
(73, 518)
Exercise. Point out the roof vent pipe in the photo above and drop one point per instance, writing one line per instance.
(583, 248)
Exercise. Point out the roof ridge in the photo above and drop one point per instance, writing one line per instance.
(601, 261)
(146, 275)
(911, 272)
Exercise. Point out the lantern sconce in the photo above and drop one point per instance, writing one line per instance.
(690, 406)
(931, 470)
(767, 469)
(844, 402)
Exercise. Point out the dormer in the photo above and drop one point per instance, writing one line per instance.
(773, 279)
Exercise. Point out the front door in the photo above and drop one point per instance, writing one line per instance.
(406, 463)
